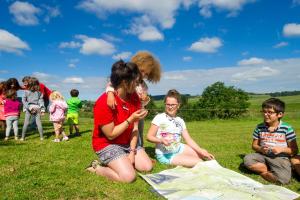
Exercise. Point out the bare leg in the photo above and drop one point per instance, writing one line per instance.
(76, 129)
(262, 170)
(296, 164)
(142, 161)
(117, 170)
(188, 158)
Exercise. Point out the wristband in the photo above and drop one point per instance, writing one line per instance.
(127, 122)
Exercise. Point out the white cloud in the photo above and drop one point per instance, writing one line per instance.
(73, 80)
(281, 44)
(71, 45)
(290, 30)
(111, 38)
(269, 77)
(24, 13)
(251, 61)
(162, 12)
(232, 6)
(11, 43)
(254, 74)
(72, 65)
(95, 46)
(123, 55)
(144, 30)
(206, 45)
(187, 58)
(52, 12)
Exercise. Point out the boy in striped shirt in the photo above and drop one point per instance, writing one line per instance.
(274, 142)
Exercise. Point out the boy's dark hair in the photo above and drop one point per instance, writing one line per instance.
(122, 71)
(74, 93)
(276, 104)
(173, 93)
(11, 94)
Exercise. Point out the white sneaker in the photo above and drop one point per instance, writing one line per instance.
(16, 138)
(6, 138)
(41, 138)
(65, 138)
(22, 139)
(56, 140)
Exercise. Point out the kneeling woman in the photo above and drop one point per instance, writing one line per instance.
(166, 131)
(115, 131)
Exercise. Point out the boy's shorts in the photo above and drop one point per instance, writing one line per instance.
(72, 118)
(113, 152)
(168, 157)
(279, 166)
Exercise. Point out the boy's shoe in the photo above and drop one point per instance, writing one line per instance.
(56, 140)
(6, 138)
(16, 138)
(22, 139)
(65, 138)
(41, 138)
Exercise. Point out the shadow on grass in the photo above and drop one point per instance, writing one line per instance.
(150, 151)
(80, 133)
(242, 167)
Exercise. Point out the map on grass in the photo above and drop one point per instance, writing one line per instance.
(209, 180)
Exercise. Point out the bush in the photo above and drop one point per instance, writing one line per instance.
(219, 101)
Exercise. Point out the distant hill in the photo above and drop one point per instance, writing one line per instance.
(161, 97)
(278, 94)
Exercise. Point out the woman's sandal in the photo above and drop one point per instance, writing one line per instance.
(92, 167)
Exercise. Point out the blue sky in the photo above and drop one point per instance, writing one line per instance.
(250, 44)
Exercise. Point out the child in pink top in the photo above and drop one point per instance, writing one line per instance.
(57, 111)
(11, 112)
(2, 97)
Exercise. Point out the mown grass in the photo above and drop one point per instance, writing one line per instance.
(37, 169)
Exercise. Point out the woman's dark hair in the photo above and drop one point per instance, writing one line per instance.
(122, 71)
(12, 83)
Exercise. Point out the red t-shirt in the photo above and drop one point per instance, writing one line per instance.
(103, 115)
(45, 91)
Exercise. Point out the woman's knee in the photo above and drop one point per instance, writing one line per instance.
(127, 177)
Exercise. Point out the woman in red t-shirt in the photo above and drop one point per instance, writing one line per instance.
(115, 131)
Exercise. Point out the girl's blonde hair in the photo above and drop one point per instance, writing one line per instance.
(55, 95)
(146, 61)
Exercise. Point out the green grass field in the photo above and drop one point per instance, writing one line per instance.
(37, 169)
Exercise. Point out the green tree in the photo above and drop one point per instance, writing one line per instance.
(223, 102)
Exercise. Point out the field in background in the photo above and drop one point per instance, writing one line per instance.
(37, 169)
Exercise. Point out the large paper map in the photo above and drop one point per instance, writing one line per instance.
(209, 180)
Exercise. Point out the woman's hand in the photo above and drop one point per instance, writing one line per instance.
(139, 114)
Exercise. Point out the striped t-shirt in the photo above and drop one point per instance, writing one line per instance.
(283, 134)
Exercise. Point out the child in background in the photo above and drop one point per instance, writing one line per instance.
(11, 112)
(150, 70)
(57, 111)
(34, 104)
(166, 131)
(74, 104)
(274, 142)
(2, 97)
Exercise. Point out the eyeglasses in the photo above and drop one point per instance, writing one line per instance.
(265, 112)
(171, 105)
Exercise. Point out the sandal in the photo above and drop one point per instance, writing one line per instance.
(93, 164)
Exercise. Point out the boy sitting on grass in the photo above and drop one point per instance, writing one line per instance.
(274, 142)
